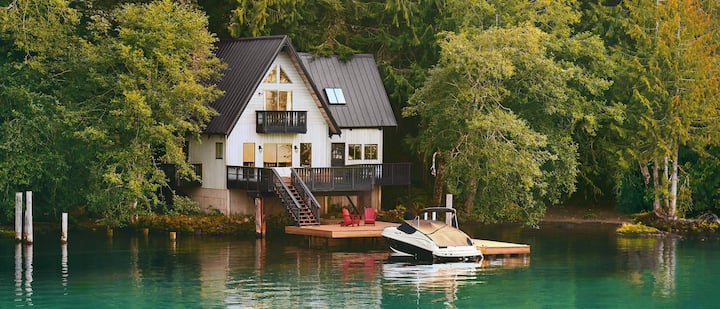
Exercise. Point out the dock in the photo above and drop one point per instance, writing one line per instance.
(328, 235)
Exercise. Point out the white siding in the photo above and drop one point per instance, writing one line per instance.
(317, 127)
(214, 170)
(363, 137)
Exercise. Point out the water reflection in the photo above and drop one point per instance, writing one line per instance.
(24, 274)
(656, 256)
(64, 267)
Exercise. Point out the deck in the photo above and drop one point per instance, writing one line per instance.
(331, 234)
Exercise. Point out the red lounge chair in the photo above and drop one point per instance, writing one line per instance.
(370, 216)
(349, 219)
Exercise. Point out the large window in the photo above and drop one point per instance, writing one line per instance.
(278, 100)
(371, 152)
(277, 155)
(249, 154)
(354, 152)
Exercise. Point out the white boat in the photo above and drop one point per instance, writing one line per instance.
(426, 239)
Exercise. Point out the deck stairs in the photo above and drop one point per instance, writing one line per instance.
(297, 199)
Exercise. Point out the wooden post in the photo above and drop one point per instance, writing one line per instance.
(259, 219)
(448, 204)
(28, 218)
(173, 236)
(64, 227)
(18, 216)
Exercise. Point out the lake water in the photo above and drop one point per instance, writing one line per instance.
(571, 266)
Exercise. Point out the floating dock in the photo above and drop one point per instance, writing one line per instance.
(326, 235)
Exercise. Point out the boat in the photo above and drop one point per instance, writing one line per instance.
(426, 239)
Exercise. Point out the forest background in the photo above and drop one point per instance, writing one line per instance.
(513, 106)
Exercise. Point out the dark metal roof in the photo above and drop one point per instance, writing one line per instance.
(248, 59)
(367, 101)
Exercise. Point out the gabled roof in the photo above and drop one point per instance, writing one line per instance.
(367, 103)
(248, 59)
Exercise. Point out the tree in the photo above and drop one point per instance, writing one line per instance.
(121, 93)
(669, 59)
(541, 87)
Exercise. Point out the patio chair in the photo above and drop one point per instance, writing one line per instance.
(349, 219)
(369, 216)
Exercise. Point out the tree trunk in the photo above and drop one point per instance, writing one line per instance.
(672, 209)
(470, 199)
(645, 173)
(438, 187)
(664, 184)
(657, 207)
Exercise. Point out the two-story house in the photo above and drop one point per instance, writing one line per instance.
(293, 131)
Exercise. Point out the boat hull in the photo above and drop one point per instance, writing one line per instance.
(422, 249)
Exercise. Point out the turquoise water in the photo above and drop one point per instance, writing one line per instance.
(570, 266)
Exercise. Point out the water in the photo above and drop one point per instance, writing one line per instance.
(571, 266)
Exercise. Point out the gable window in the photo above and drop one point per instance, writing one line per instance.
(354, 152)
(219, 150)
(371, 152)
(335, 95)
(278, 100)
(277, 75)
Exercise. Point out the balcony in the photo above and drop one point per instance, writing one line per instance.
(281, 122)
(175, 181)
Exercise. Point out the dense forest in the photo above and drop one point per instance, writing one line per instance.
(512, 106)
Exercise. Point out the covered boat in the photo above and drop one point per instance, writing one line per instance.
(426, 239)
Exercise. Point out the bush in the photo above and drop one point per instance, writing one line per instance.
(183, 205)
(637, 228)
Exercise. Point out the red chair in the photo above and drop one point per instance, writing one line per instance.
(349, 219)
(369, 216)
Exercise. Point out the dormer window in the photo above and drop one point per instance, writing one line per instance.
(277, 75)
(335, 95)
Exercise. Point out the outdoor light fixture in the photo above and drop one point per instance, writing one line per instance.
(259, 147)
(296, 148)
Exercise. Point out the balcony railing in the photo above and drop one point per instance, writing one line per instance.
(175, 181)
(250, 179)
(281, 122)
(324, 179)
(390, 174)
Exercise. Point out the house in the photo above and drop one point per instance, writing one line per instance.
(293, 132)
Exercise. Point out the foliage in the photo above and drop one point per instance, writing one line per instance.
(200, 224)
(638, 228)
(396, 215)
(97, 107)
(183, 205)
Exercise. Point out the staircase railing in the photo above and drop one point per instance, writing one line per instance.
(306, 194)
(288, 200)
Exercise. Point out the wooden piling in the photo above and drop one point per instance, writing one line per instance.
(173, 236)
(18, 216)
(28, 218)
(64, 228)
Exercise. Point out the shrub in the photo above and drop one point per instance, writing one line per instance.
(637, 228)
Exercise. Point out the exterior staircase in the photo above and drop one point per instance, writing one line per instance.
(299, 202)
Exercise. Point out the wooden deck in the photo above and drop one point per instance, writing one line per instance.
(330, 234)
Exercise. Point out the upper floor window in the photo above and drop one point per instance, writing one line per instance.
(278, 100)
(335, 95)
(277, 75)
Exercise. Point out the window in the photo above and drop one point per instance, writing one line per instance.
(305, 154)
(249, 154)
(335, 95)
(277, 155)
(278, 100)
(219, 150)
(277, 74)
(371, 152)
(354, 152)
